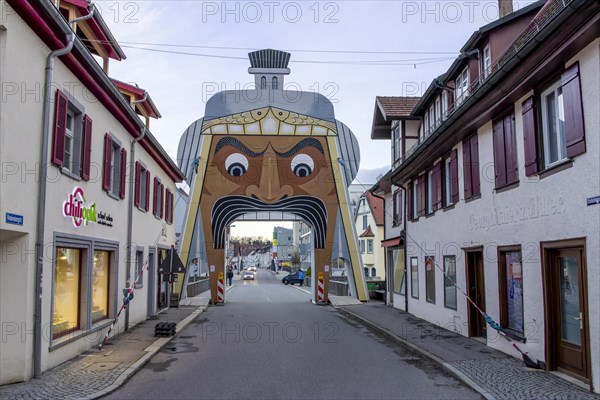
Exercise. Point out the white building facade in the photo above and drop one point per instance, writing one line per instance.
(92, 177)
(503, 187)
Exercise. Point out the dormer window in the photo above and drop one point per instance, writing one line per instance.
(486, 61)
(462, 86)
(438, 111)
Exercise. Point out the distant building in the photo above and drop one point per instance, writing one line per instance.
(369, 221)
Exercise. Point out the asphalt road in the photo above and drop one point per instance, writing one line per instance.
(269, 342)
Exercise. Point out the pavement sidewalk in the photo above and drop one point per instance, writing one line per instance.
(95, 373)
(493, 374)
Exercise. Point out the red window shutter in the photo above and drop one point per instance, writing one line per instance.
(421, 187)
(437, 185)
(475, 186)
(138, 174)
(510, 148)
(467, 168)
(499, 153)
(574, 126)
(60, 127)
(86, 146)
(409, 201)
(162, 200)
(123, 173)
(172, 207)
(107, 158)
(530, 137)
(454, 171)
(155, 196)
(147, 190)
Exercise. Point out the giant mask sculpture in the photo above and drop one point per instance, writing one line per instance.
(270, 154)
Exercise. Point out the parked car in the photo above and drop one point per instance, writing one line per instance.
(248, 275)
(292, 278)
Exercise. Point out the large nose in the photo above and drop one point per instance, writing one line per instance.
(270, 189)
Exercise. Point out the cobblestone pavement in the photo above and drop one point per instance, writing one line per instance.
(493, 373)
(510, 379)
(74, 379)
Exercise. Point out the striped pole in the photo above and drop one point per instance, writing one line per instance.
(220, 288)
(320, 289)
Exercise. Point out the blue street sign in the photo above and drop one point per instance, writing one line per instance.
(14, 219)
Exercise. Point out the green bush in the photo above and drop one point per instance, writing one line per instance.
(308, 271)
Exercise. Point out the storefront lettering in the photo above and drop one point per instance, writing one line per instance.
(76, 208)
(534, 208)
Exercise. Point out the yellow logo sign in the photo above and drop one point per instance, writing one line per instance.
(320, 276)
(220, 276)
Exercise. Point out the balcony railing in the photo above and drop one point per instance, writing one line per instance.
(551, 9)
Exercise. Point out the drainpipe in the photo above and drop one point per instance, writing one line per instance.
(405, 215)
(130, 213)
(385, 252)
(41, 207)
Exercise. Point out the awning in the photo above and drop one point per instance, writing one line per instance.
(395, 242)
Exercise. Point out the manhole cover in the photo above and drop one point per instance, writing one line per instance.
(180, 348)
(100, 366)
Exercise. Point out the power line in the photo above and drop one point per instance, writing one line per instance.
(414, 61)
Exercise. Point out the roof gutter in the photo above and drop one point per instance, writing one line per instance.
(489, 83)
(41, 206)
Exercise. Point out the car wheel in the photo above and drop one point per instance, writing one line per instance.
(285, 281)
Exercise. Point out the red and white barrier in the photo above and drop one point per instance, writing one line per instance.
(220, 288)
(320, 289)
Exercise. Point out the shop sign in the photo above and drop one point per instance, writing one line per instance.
(83, 212)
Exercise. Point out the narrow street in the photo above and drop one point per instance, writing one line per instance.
(269, 341)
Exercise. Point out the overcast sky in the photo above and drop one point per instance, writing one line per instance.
(340, 34)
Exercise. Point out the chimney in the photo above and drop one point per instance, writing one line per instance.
(505, 7)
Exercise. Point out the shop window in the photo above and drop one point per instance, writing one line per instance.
(71, 141)
(414, 277)
(139, 270)
(511, 291)
(449, 281)
(67, 286)
(430, 279)
(397, 260)
(100, 285)
(115, 167)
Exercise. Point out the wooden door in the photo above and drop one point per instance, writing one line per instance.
(569, 346)
(476, 291)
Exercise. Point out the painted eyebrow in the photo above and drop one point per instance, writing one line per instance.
(231, 141)
(308, 142)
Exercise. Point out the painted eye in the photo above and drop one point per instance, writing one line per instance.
(236, 164)
(302, 165)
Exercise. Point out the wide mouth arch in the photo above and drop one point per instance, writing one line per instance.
(228, 209)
